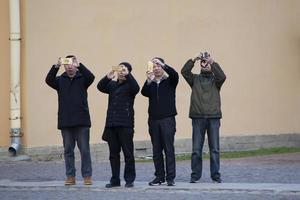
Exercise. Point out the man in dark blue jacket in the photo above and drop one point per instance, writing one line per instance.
(160, 88)
(119, 127)
(73, 114)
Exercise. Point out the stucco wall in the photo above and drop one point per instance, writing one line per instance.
(257, 43)
(4, 74)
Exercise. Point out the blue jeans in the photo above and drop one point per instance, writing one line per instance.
(81, 135)
(200, 126)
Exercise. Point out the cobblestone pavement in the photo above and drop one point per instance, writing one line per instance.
(125, 195)
(281, 168)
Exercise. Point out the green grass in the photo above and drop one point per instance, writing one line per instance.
(239, 154)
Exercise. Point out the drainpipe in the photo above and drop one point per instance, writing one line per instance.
(15, 39)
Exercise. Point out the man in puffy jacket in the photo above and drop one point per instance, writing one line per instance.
(205, 112)
(160, 88)
(73, 114)
(119, 126)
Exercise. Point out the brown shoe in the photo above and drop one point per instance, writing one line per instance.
(87, 180)
(70, 180)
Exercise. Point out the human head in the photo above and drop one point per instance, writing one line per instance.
(204, 61)
(157, 67)
(70, 69)
(125, 69)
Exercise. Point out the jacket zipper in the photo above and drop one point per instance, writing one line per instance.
(157, 95)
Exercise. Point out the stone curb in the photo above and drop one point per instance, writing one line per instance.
(265, 188)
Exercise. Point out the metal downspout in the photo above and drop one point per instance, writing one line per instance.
(15, 116)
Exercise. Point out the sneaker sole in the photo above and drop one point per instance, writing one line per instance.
(156, 184)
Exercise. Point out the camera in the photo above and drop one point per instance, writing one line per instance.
(204, 56)
(150, 66)
(66, 61)
(116, 68)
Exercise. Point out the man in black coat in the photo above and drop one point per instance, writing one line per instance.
(160, 88)
(119, 127)
(73, 114)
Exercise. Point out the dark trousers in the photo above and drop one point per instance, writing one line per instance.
(200, 126)
(162, 134)
(121, 137)
(81, 135)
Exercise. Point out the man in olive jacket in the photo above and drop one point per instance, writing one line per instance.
(205, 112)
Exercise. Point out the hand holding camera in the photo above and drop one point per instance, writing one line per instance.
(196, 57)
(58, 64)
(111, 75)
(202, 57)
(150, 76)
(75, 61)
(158, 62)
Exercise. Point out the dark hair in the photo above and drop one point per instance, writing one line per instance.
(160, 59)
(70, 56)
(127, 65)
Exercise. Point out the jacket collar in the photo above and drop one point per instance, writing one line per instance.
(206, 73)
(164, 77)
(77, 75)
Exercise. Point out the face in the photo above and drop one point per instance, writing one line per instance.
(204, 65)
(157, 70)
(70, 69)
(122, 73)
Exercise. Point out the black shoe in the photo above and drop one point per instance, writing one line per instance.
(156, 181)
(110, 185)
(129, 185)
(194, 180)
(217, 180)
(171, 183)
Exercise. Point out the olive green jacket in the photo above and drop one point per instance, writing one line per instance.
(205, 100)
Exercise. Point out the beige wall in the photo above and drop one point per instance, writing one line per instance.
(4, 74)
(257, 43)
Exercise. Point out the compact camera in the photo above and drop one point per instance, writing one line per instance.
(66, 61)
(116, 68)
(150, 66)
(204, 56)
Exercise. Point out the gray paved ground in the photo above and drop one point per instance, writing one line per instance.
(284, 169)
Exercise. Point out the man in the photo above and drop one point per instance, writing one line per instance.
(205, 112)
(73, 114)
(160, 88)
(119, 127)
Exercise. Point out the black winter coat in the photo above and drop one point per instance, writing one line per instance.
(162, 96)
(120, 112)
(73, 109)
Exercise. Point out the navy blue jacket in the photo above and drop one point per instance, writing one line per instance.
(73, 109)
(120, 112)
(162, 96)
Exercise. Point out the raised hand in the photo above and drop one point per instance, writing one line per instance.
(75, 61)
(58, 64)
(110, 75)
(158, 62)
